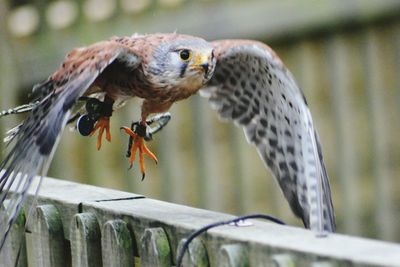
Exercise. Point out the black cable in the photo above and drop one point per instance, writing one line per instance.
(235, 221)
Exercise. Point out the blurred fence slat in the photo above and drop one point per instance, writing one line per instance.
(376, 93)
(346, 166)
(155, 249)
(196, 254)
(205, 151)
(233, 255)
(85, 241)
(117, 244)
(47, 238)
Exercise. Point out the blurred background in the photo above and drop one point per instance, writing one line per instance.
(344, 54)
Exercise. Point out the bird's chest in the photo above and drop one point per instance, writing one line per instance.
(154, 88)
(159, 90)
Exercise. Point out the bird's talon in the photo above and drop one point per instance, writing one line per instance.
(103, 124)
(128, 131)
(137, 142)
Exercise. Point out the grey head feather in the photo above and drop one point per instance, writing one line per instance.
(162, 64)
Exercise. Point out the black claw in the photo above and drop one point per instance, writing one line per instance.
(130, 143)
(143, 176)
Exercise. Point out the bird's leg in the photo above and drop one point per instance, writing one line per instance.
(139, 133)
(97, 118)
(160, 121)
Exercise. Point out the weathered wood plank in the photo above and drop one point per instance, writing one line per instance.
(117, 245)
(283, 260)
(233, 255)
(59, 193)
(195, 255)
(47, 245)
(176, 220)
(179, 221)
(154, 249)
(85, 237)
(324, 264)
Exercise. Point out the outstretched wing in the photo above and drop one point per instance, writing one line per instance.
(32, 146)
(253, 88)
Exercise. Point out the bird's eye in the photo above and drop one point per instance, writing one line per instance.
(185, 54)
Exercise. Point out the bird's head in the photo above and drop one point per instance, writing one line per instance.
(184, 62)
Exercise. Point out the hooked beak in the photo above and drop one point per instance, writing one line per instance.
(205, 67)
(201, 63)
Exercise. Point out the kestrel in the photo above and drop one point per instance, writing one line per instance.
(244, 80)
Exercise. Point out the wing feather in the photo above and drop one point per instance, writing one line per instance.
(32, 145)
(252, 88)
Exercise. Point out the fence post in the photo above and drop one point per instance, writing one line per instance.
(85, 238)
(234, 255)
(155, 250)
(324, 264)
(47, 244)
(117, 245)
(283, 260)
(195, 255)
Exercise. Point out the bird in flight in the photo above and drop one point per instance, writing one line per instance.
(244, 80)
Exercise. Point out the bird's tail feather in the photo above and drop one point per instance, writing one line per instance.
(24, 160)
(11, 133)
(20, 109)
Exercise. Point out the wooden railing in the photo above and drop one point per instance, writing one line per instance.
(82, 225)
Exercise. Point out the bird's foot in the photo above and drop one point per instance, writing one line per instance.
(97, 118)
(102, 124)
(139, 133)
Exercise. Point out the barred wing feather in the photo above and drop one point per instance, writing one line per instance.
(252, 88)
(32, 145)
